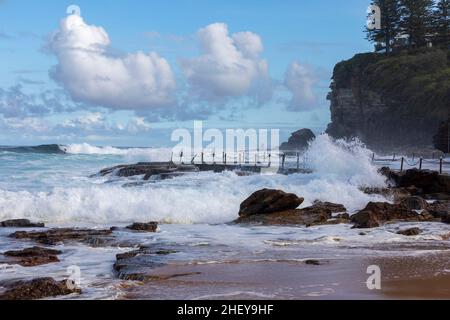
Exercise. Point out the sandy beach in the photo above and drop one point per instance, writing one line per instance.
(415, 277)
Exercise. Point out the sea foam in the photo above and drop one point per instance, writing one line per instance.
(340, 169)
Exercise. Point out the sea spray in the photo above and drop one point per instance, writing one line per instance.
(340, 169)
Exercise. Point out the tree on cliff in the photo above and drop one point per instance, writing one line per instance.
(442, 23)
(390, 23)
(417, 20)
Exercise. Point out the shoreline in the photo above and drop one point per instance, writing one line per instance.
(339, 279)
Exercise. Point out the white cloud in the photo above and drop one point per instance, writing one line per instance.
(300, 80)
(230, 66)
(135, 81)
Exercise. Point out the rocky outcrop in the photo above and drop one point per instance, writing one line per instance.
(139, 265)
(55, 236)
(269, 201)
(37, 289)
(390, 102)
(275, 207)
(298, 141)
(161, 170)
(377, 213)
(425, 181)
(31, 257)
(144, 227)
(20, 223)
(442, 138)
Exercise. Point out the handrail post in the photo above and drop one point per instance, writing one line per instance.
(401, 167)
(420, 163)
(441, 163)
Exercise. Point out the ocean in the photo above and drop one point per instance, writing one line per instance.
(55, 185)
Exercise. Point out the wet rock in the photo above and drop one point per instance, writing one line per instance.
(414, 203)
(439, 209)
(138, 265)
(429, 182)
(144, 227)
(37, 289)
(333, 207)
(269, 201)
(289, 217)
(55, 236)
(410, 232)
(20, 223)
(272, 200)
(31, 257)
(377, 213)
(164, 170)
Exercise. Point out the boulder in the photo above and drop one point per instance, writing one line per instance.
(299, 140)
(377, 213)
(146, 227)
(333, 207)
(429, 182)
(269, 201)
(20, 223)
(410, 232)
(414, 203)
(439, 209)
(37, 289)
(55, 236)
(31, 257)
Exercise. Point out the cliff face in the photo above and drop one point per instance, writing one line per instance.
(391, 102)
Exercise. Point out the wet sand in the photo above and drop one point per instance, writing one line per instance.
(413, 277)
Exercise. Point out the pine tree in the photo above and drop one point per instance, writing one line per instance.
(417, 20)
(390, 23)
(442, 23)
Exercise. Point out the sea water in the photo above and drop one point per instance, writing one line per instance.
(193, 210)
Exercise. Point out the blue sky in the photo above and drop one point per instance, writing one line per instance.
(233, 64)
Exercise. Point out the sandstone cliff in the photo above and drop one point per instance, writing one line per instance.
(391, 102)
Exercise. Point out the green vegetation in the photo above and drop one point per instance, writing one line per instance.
(415, 82)
(411, 24)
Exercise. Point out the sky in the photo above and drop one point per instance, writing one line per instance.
(127, 73)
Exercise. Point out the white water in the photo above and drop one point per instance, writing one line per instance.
(340, 169)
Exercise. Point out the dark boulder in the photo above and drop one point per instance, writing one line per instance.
(20, 223)
(37, 289)
(31, 257)
(429, 182)
(269, 201)
(145, 227)
(333, 207)
(299, 140)
(410, 232)
(377, 213)
(414, 203)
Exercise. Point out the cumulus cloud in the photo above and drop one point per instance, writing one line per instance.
(15, 102)
(300, 80)
(135, 81)
(230, 65)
